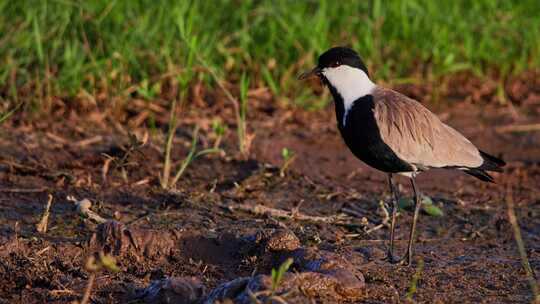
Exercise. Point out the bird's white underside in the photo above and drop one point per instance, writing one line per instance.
(351, 83)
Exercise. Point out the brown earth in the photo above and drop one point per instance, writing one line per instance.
(188, 242)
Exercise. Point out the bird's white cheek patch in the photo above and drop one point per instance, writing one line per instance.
(351, 83)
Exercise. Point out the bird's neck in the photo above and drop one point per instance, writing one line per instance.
(347, 85)
(338, 103)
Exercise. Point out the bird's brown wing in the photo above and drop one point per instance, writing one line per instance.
(417, 135)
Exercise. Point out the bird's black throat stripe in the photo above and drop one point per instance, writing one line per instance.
(362, 136)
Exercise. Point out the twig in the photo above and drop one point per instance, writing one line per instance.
(519, 128)
(22, 190)
(88, 289)
(365, 221)
(41, 227)
(385, 220)
(521, 245)
(60, 292)
(375, 228)
(277, 299)
(83, 207)
(88, 141)
(56, 138)
(105, 168)
(42, 251)
(280, 213)
(351, 212)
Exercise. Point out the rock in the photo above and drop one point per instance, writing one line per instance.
(181, 290)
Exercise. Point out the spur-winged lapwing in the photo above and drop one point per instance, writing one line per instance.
(393, 133)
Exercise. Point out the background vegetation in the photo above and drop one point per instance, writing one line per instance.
(64, 49)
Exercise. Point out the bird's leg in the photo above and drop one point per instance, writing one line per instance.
(417, 204)
(390, 254)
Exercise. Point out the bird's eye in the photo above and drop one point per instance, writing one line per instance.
(335, 64)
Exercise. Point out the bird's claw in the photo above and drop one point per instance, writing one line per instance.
(405, 260)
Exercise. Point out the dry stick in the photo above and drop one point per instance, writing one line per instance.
(41, 227)
(385, 220)
(88, 289)
(21, 190)
(105, 168)
(352, 212)
(83, 207)
(519, 128)
(264, 210)
(60, 292)
(521, 245)
(89, 141)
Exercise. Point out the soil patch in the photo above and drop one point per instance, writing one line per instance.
(194, 241)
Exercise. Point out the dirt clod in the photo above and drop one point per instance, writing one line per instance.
(337, 286)
(229, 290)
(280, 240)
(182, 290)
(114, 238)
(317, 273)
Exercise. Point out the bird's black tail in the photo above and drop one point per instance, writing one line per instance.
(491, 163)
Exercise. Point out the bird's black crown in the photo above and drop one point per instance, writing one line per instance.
(337, 56)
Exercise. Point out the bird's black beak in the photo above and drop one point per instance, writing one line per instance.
(316, 71)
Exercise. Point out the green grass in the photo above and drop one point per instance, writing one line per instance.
(60, 48)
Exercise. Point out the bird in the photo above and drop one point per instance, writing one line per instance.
(393, 133)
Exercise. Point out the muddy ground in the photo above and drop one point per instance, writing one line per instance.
(203, 235)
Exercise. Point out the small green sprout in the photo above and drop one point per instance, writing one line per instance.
(149, 91)
(277, 275)
(7, 114)
(288, 157)
(192, 155)
(103, 261)
(93, 265)
(413, 286)
(219, 130)
(243, 138)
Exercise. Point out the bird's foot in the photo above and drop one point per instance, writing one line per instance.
(390, 258)
(403, 261)
(406, 260)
